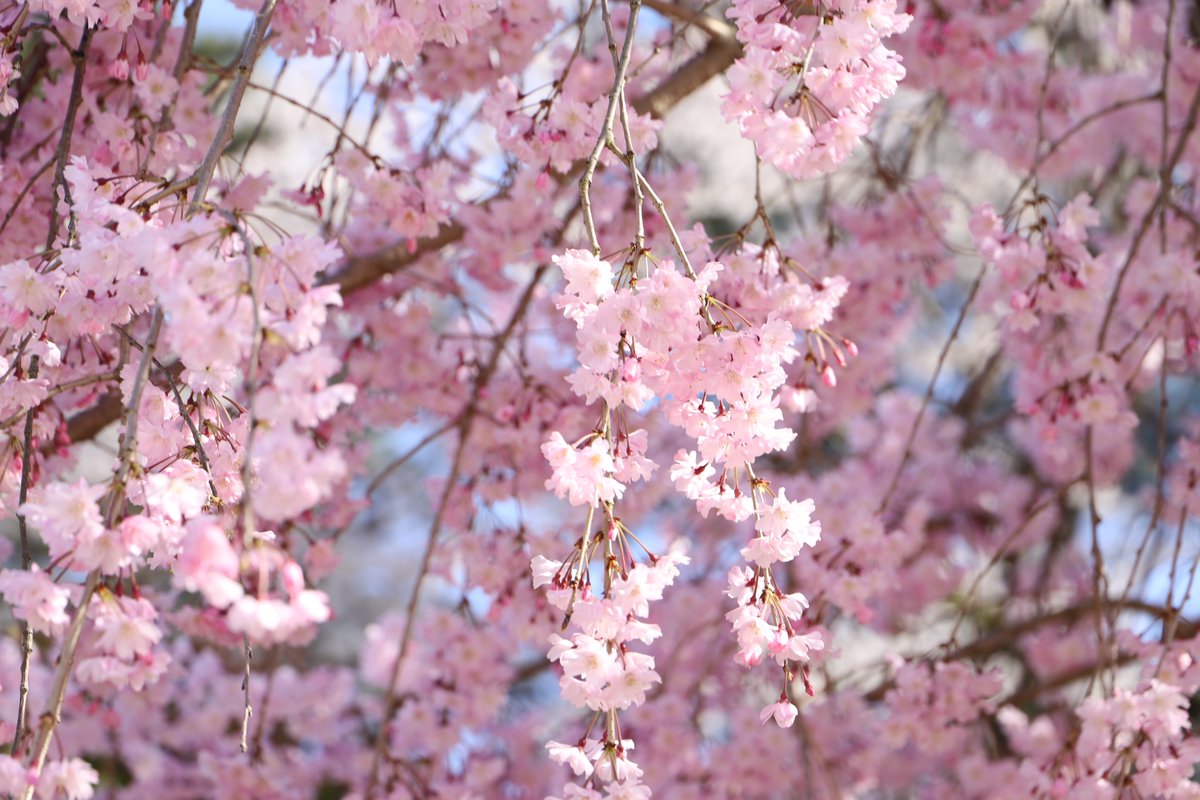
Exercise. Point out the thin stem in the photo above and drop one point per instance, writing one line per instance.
(404, 459)
(465, 424)
(63, 152)
(26, 563)
(247, 708)
(937, 371)
(1164, 191)
(245, 65)
(52, 716)
(605, 139)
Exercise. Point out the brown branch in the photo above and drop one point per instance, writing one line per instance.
(63, 151)
(358, 272)
(1164, 192)
(465, 422)
(1027, 695)
(88, 424)
(1006, 637)
(998, 640)
(711, 25)
(26, 563)
(245, 65)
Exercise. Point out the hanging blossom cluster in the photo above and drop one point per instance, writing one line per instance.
(1135, 738)
(203, 291)
(639, 338)
(810, 78)
(599, 670)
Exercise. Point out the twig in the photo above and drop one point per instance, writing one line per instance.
(254, 40)
(191, 17)
(247, 709)
(249, 387)
(1001, 549)
(1070, 132)
(26, 563)
(359, 272)
(52, 716)
(610, 114)
(937, 371)
(1164, 190)
(404, 459)
(16, 203)
(1099, 572)
(465, 423)
(63, 152)
(64, 387)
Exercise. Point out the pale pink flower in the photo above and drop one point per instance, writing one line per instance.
(208, 563)
(22, 288)
(613, 763)
(690, 475)
(14, 776)
(571, 755)
(37, 599)
(742, 584)
(544, 570)
(65, 513)
(589, 279)
(783, 712)
(126, 626)
(75, 778)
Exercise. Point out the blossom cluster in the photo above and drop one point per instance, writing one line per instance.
(599, 670)
(810, 78)
(271, 322)
(185, 474)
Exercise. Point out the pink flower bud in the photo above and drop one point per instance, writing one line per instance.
(119, 69)
(292, 577)
(828, 377)
(631, 370)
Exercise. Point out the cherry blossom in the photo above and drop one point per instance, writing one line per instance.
(490, 399)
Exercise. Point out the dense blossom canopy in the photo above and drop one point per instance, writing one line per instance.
(883, 484)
